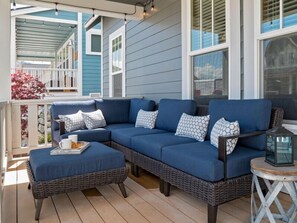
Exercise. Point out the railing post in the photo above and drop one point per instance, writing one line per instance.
(8, 129)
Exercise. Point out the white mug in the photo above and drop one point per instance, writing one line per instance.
(65, 144)
(73, 138)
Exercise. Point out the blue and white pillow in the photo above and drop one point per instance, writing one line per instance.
(225, 128)
(192, 126)
(94, 119)
(146, 119)
(73, 122)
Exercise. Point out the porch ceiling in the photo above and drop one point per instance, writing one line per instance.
(39, 39)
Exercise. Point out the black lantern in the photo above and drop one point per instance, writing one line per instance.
(280, 146)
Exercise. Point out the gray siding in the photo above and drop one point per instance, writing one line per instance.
(153, 53)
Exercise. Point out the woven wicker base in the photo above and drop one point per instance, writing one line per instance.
(44, 189)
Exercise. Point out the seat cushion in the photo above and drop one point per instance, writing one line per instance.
(113, 127)
(252, 115)
(123, 136)
(114, 110)
(199, 159)
(170, 111)
(90, 135)
(239, 161)
(151, 145)
(66, 108)
(97, 157)
(136, 104)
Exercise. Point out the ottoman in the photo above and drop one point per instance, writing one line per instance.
(54, 174)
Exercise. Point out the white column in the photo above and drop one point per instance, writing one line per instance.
(5, 50)
(233, 30)
(79, 49)
(249, 51)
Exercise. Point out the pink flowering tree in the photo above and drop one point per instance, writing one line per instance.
(23, 87)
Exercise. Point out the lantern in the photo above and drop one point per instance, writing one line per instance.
(280, 146)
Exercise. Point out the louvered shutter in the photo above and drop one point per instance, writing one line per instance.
(219, 22)
(289, 13)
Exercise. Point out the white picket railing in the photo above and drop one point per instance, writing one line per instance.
(38, 127)
(55, 79)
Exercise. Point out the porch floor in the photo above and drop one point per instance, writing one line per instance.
(105, 204)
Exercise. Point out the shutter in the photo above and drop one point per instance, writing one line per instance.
(206, 23)
(290, 12)
(196, 14)
(219, 21)
(270, 10)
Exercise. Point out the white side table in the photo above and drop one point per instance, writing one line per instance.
(275, 179)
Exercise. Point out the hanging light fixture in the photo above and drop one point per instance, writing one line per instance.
(56, 10)
(93, 13)
(14, 5)
(153, 6)
(125, 19)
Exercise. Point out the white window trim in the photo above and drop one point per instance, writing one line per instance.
(233, 49)
(259, 37)
(121, 31)
(89, 34)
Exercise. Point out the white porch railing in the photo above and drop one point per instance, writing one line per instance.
(55, 79)
(36, 133)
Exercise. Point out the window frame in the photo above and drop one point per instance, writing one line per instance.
(119, 32)
(89, 34)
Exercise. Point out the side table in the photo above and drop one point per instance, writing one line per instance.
(275, 178)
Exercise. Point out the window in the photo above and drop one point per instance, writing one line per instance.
(208, 23)
(273, 19)
(280, 76)
(117, 63)
(210, 75)
(93, 42)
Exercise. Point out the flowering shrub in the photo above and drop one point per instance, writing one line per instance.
(23, 87)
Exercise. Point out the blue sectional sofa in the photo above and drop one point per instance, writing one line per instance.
(196, 167)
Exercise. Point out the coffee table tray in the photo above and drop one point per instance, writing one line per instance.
(74, 151)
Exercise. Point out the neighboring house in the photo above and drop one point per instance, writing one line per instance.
(72, 52)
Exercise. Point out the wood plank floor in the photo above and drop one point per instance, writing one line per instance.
(106, 205)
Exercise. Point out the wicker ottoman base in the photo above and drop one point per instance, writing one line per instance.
(44, 189)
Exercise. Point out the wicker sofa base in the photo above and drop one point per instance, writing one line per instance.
(44, 189)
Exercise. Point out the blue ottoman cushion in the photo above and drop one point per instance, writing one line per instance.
(97, 157)
(151, 145)
(123, 136)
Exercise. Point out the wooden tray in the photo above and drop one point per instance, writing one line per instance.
(74, 151)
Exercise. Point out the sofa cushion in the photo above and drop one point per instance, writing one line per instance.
(114, 110)
(252, 115)
(94, 119)
(136, 104)
(199, 159)
(97, 157)
(123, 136)
(170, 111)
(192, 126)
(113, 127)
(73, 121)
(146, 119)
(66, 108)
(151, 145)
(238, 162)
(89, 135)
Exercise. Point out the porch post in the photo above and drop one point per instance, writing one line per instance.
(79, 59)
(5, 50)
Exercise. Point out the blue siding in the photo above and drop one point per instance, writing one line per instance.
(62, 15)
(91, 65)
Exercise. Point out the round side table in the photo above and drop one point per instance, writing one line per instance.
(275, 179)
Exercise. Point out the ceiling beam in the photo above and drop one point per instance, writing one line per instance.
(34, 32)
(101, 7)
(22, 25)
(40, 37)
(47, 19)
(19, 12)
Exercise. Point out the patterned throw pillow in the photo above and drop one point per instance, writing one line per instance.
(94, 119)
(146, 119)
(192, 126)
(73, 122)
(225, 128)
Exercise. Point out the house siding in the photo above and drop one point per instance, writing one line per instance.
(153, 53)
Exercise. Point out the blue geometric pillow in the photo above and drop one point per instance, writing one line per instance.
(146, 119)
(194, 127)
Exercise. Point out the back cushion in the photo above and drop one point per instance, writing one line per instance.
(114, 110)
(170, 111)
(71, 107)
(137, 104)
(252, 115)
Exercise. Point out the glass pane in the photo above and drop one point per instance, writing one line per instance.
(196, 29)
(96, 43)
(219, 22)
(270, 15)
(117, 59)
(206, 23)
(290, 13)
(210, 75)
(280, 73)
(117, 85)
